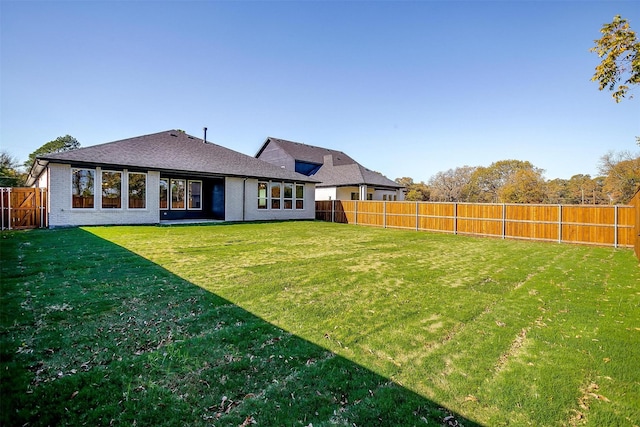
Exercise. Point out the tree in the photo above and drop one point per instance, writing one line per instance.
(524, 186)
(419, 192)
(10, 175)
(620, 52)
(622, 175)
(451, 185)
(487, 182)
(58, 145)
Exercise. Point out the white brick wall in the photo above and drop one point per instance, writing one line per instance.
(241, 202)
(61, 213)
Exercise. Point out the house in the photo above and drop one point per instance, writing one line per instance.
(167, 176)
(340, 177)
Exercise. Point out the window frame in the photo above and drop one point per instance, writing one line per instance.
(263, 200)
(129, 174)
(299, 200)
(189, 195)
(166, 193)
(93, 188)
(184, 193)
(102, 188)
(276, 200)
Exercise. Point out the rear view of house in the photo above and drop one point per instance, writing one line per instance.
(168, 176)
(340, 176)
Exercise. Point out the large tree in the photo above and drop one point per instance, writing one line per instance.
(451, 185)
(622, 175)
(487, 183)
(58, 145)
(620, 52)
(10, 174)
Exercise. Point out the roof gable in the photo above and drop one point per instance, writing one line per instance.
(338, 169)
(175, 151)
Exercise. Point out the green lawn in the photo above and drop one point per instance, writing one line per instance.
(300, 323)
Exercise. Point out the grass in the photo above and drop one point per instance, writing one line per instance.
(314, 323)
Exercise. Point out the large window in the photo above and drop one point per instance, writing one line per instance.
(195, 194)
(288, 195)
(164, 193)
(299, 196)
(137, 190)
(111, 190)
(178, 194)
(262, 194)
(275, 195)
(82, 188)
(280, 195)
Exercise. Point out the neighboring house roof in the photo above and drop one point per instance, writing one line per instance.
(170, 151)
(338, 170)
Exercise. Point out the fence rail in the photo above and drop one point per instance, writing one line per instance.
(23, 208)
(604, 225)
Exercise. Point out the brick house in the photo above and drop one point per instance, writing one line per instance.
(167, 176)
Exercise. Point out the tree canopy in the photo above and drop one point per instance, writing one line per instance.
(619, 49)
(10, 175)
(58, 145)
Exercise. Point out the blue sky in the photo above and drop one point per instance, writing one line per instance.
(406, 88)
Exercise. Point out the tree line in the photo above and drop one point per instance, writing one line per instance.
(517, 181)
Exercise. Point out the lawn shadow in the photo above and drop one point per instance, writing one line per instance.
(92, 333)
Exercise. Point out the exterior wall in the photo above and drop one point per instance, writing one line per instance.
(326, 193)
(61, 214)
(278, 157)
(344, 193)
(252, 213)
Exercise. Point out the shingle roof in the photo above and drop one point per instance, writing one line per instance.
(308, 153)
(345, 171)
(176, 151)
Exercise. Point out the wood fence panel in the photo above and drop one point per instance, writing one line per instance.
(588, 224)
(401, 215)
(626, 228)
(479, 219)
(370, 213)
(536, 222)
(23, 208)
(323, 210)
(635, 203)
(437, 217)
(348, 211)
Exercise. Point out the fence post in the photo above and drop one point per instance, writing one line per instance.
(2, 206)
(384, 214)
(9, 218)
(356, 213)
(455, 218)
(417, 216)
(504, 220)
(615, 226)
(333, 211)
(559, 223)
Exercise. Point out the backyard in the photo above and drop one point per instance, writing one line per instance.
(313, 324)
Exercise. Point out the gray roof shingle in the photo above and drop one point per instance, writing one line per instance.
(345, 171)
(176, 151)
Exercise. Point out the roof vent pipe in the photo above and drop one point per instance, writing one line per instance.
(205, 134)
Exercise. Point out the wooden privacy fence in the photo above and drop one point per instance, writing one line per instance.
(609, 225)
(23, 208)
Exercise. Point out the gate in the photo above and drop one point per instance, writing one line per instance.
(23, 208)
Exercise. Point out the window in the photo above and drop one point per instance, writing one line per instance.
(307, 168)
(299, 196)
(137, 190)
(195, 191)
(288, 195)
(275, 195)
(111, 190)
(177, 193)
(384, 197)
(164, 193)
(369, 196)
(262, 195)
(82, 188)
(355, 196)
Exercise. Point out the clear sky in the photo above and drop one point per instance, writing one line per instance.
(406, 88)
